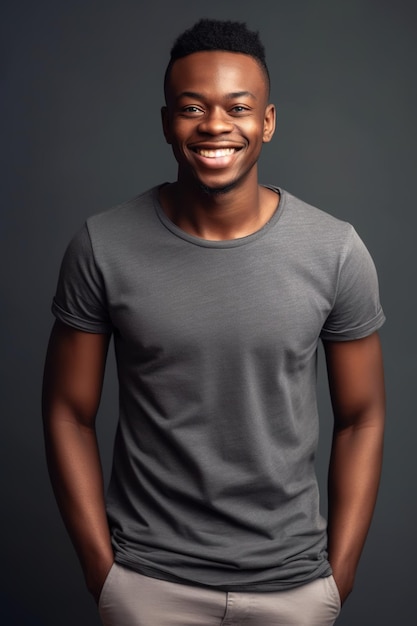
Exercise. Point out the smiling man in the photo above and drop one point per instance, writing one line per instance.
(217, 291)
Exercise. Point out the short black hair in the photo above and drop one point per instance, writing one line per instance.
(209, 34)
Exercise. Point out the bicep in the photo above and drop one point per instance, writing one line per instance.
(356, 379)
(73, 376)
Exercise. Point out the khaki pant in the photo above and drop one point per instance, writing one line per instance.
(130, 599)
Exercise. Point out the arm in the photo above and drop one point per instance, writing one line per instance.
(357, 391)
(73, 380)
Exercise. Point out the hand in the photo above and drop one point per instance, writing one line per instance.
(95, 579)
(344, 584)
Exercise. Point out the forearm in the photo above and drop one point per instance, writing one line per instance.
(73, 378)
(76, 476)
(354, 475)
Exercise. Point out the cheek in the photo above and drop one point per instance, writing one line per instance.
(254, 126)
(180, 134)
(255, 131)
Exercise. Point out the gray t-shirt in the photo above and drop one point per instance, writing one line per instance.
(213, 479)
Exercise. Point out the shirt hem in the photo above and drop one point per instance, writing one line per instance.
(323, 571)
(76, 322)
(360, 332)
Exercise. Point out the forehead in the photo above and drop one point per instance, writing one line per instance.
(216, 71)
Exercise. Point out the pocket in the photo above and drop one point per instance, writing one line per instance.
(335, 591)
(106, 585)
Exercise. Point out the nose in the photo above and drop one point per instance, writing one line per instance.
(215, 122)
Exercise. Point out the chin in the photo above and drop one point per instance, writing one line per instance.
(215, 191)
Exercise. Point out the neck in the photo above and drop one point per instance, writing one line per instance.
(218, 215)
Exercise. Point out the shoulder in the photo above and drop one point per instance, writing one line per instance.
(122, 217)
(305, 216)
(314, 234)
(115, 234)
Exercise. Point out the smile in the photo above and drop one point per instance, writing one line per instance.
(215, 154)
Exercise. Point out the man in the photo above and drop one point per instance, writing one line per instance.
(217, 291)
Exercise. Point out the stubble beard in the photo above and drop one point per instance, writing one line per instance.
(217, 191)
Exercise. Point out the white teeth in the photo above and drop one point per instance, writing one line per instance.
(212, 154)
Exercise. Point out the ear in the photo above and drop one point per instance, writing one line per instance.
(165, 124)
(269, 123)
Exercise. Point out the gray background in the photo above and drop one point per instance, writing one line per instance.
(81, 92)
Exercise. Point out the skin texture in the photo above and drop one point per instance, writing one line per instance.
(215, 100)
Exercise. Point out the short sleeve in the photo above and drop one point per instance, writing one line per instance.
(356, 310)
(80, 299)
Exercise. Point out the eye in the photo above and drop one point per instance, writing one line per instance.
(191, 109)
(240, 108)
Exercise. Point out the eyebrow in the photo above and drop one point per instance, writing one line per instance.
(229, 96)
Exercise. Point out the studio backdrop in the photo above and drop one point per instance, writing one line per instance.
(80, 112)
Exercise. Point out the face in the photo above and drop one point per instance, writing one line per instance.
(217, 118)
